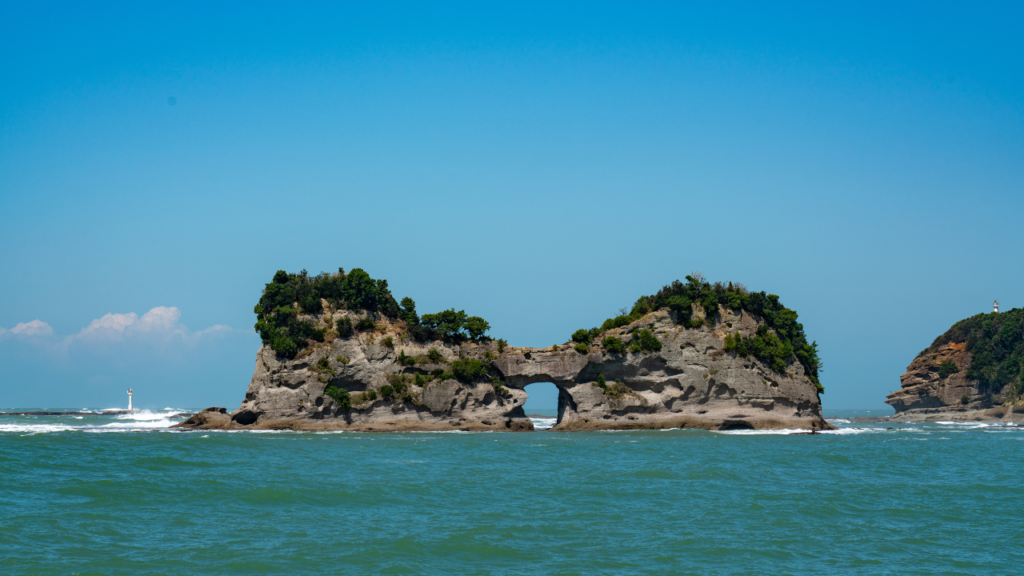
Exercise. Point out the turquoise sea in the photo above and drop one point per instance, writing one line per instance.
(123, 495)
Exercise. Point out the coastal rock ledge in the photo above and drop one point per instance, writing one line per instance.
(379, 378)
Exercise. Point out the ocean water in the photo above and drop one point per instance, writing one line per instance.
(123, 495)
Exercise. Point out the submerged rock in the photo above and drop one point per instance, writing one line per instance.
(368, 382)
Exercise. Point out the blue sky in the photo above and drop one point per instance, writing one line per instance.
(540, 165)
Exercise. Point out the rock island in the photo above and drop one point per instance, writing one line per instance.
(973, 372)
(340, 353)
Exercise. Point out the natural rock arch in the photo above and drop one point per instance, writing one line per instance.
(691, 382)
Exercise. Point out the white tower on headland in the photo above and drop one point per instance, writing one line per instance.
(129, 399)
(995, 306)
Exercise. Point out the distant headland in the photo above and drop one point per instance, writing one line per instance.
(341, 353)
(972, 372)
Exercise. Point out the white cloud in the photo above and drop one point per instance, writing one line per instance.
(161, 324)
(33, 328)
(160, 319)
(158, 328)
(110, 327)
(215, 330)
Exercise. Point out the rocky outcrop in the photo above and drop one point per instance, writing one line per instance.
(692, 382)
(924, 388)
(928, 393)
(207, 418)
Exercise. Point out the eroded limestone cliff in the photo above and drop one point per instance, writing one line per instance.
(393, 382)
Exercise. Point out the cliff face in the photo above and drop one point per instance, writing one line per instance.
(924, 389)
(692, 382)
(971, 372)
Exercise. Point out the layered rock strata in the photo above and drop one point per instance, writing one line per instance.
(692, 382)
(926, 394)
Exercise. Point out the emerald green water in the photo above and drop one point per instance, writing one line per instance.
(102, 495)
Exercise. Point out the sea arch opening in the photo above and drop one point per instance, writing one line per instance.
(541, 404)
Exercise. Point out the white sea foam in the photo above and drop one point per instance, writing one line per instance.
(779, 432)
(34, 428)
(132, 426)
(543, 423)
(141, 421)
(144, 415)
(849, 431)
(974, 425)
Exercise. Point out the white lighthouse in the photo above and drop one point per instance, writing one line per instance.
(129, 399)
(995, 306)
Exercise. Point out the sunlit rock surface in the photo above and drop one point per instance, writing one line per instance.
(690, 383)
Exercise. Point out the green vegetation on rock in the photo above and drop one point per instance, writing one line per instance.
(469, 369)
(996, 344)
(613, 345)
(644, 341)
(277, 318)
(779, 341)
(582, 336)
(947, 367)
(613, 391)
(289, 296)
(340, 395)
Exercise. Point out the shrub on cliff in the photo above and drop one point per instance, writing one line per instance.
(613, 345)
(620, 321)
(404, 360)
(582, 336)
(340, 395)
(409, 311)
(645, 341)
(455, 325)
(476, 327)
(283, 345)
(947, 367)
(368, 396)
(343, 326)
(469, 369)
(617, 390)
(447, 323)
(499, 386)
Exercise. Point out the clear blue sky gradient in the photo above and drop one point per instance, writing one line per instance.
(540, 165)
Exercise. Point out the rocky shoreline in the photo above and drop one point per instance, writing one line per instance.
(392, 382)
(1006, 414)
